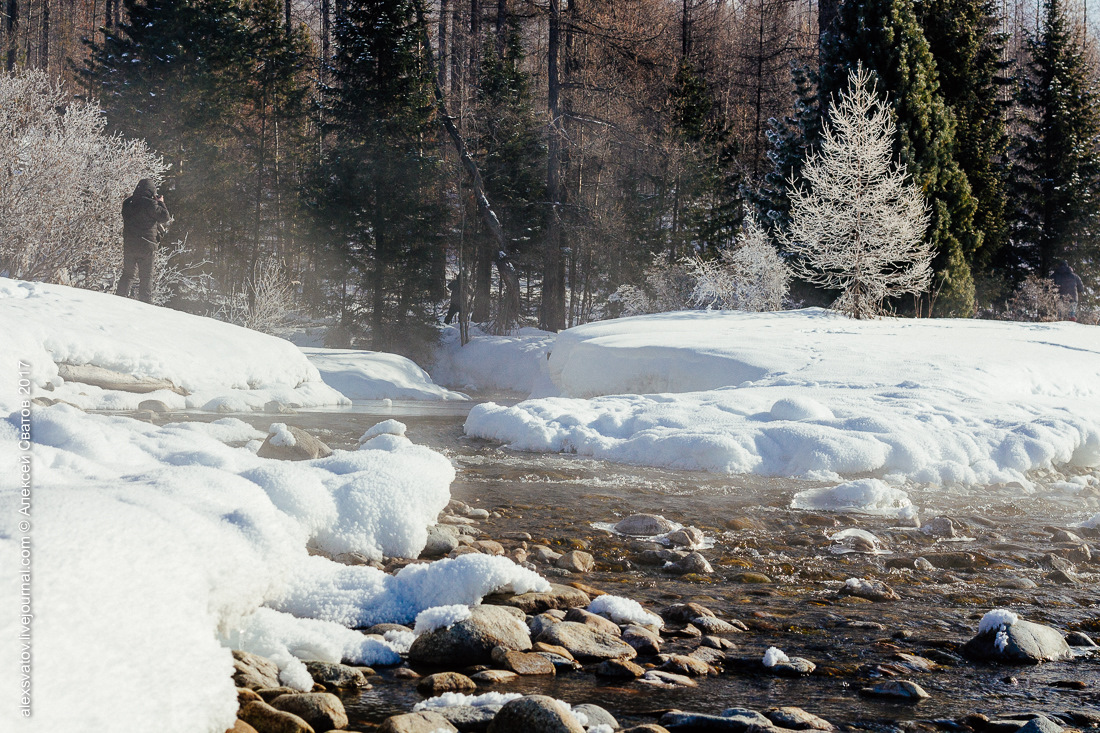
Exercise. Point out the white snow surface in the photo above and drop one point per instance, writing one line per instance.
(376, 375)
(862, 496)
(813, 394)
(223, 367)
(459, 699)
(157, 548)
(996, 619)
(623, 611)
(440, 617)
(514, 363)
(774, 656)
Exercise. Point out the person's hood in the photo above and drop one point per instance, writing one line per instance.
(146, 187)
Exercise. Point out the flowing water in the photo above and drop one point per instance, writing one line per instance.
(1005, 531)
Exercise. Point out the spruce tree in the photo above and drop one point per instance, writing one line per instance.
(1058, 173)
(381, 203)
(886, 37)
(968, 49)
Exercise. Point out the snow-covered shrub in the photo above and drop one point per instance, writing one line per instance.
(62, 183)
(749, 277)
(1036, 299)
(267, 302)
(858, 227)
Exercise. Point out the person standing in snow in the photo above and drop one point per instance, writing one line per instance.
(143, 218)
(1069, 285)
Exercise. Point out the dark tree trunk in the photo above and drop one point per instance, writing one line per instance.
(11, 27)
(501, 25)
(827, 11)
(552, 310)
(444, 9)
(44, 58)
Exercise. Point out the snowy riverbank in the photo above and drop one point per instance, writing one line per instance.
(809, 393)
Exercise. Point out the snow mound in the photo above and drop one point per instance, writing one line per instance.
(279, 434)
(164, 545)
(775, 656)
(998, 618)
(440, 617)
(386, 427)
(1092, 522)
(376, 375)
(812, 394)
(624, 611)
(221, 366)
(864, 496)
(458, 699)
(515, 363)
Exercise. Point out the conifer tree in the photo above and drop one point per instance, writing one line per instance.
(968, 47)
(885, 36)
(1058, 171)
(381, 205)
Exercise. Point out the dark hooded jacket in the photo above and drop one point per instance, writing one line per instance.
(1069, 284)
(142, 214)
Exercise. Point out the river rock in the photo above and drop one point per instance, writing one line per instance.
(437, 684)
(644, 525)
(322, 710)
(716, 626)
(111, 380)
(619, 669)
(955, 560)
(794, 718)
(535, 714)
(471, 641)
(266, 719)
(679, 721)
(687, 537)
(253, 671)
(710, 655)
(493, 676)
(1040, 724)
(646, 728)
(793, 667)
(596, 716)
(644, 641)
(693, 563)
(336, 675)
(469, 717)
(425, 721)
(872, 590)
(523, 663)
(488, 547)
(267, 694)
(667, 679)
(586, 643)
(442, 539)
(1079, 638)
(576, 561)
(239, 726)
(682, 613)
(685, 665)
(156, 406)
(594, 620)
(544, 648)
(1023, 643)
(898, 690)
(290, 443)
(558, 597)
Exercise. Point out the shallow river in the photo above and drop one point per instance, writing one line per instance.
(556, 499)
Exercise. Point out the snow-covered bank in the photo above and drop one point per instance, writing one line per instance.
(376, 375)
(809, 393)
(156, 548)
(489, 363)
(218, 365)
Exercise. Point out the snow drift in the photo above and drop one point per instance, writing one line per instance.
(812, 394)
(513, 363)
(376, 375)
(220, 365)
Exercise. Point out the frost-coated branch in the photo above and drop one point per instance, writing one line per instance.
(858, 226)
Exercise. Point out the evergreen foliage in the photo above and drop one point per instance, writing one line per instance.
(968, 47)
(1058, 172)
(885, 36)
(381, 203)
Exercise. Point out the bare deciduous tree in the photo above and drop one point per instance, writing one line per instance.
(62, 183)
(859, 225)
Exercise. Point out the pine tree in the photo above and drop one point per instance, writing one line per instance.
(968, 48)
(381, 205)
(1058, 171)
(885, 36)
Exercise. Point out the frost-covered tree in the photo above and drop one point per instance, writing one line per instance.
(858, 225)
(750, 277)
(62, 183)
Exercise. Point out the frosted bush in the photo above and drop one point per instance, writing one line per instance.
(666, 287)
(62, 183)
(749, 277)
(1037, 299)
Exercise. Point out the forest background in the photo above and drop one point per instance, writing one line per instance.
(350, 157)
